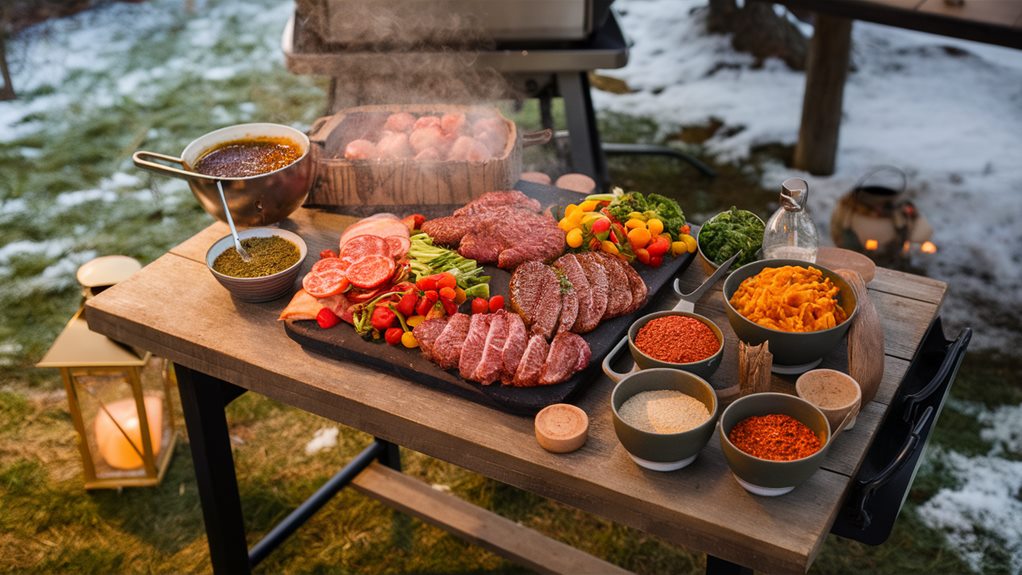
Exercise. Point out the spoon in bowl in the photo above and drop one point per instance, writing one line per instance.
(230, 222)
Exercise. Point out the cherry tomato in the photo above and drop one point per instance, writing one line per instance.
(447, 280)
(408, 340)
(327, 319)
(460, 296)
(427, 283)
(327, 253)
(642, 254)
(450, 308)
(393, 335)
(407, 304)
(382, 317)
(601, 225)
(659, 246)
(496, 302)
(447, 293)
(656, 261)
(480, 305)
(423, 307)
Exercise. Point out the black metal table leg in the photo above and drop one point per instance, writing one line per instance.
(586, 151)
(718, 566)
(203, 399)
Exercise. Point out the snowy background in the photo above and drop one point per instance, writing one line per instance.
(950, 118)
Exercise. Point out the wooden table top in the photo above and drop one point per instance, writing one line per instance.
(176, 309)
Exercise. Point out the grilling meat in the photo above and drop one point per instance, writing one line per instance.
(503, 228)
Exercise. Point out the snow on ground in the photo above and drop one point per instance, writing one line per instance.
(951, 119)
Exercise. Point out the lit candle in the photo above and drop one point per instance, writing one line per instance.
(116, 446)
(872, 244)
(928, 248)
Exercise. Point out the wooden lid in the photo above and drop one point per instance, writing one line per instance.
(561, 428)
(838, 258)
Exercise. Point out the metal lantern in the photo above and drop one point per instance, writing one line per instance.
(119, 397)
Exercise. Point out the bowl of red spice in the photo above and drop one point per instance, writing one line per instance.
(677, 340)
(773, 442)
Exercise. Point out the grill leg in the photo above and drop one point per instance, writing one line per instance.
(203, 399)
(586, 151)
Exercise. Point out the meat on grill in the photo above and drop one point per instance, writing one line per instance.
(503, 228)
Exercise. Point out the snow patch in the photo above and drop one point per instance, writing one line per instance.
(325, 438)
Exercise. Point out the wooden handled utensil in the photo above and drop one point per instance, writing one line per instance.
(865, 340)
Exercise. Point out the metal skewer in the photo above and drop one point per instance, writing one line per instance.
(230, 222)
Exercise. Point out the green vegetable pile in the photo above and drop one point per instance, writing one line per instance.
(650, 206)
(730, 232)
(426, 259)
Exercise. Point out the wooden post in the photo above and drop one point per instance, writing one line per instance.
(825, 85)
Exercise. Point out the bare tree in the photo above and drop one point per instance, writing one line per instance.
(7, 90)
(755, 28)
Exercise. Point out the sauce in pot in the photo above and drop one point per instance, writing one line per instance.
(249, 157)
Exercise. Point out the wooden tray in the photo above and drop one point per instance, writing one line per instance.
(343, 343)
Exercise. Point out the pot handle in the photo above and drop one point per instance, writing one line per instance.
(616, 376)
(143, 159)
(537, 138)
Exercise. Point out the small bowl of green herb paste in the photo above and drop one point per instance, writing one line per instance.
(727, 233)
(277, 257)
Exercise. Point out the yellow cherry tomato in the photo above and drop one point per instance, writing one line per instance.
(634, 223)
(639, 237)
(415, 320)
(637, 216)
(459, 296)
(690, 243)
(570, 209)
(565, 224)
(589, 205)
(655, 226)
(574, 238)
(576, 218)
(609, 247)
(678, 248)
(408, 340)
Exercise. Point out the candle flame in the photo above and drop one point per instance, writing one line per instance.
(906, 247)
(872, 245)
(928, 248)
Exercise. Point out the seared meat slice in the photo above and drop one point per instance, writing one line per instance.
(536, 296)
(586, 319)
(490, 200)
(619, 296)
(569, 309)
(599, 286)
(492, 361)
(427, 332)
(531, 237)
(447, 347)
(514, 347)
(527, 374)
(568, 354)
(637, 285)
(472, 348)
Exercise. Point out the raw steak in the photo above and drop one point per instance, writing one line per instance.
(472, 348)
(568, 354)
(527, 284)
(492, 361)
(569, 310)
(447, 347)
(427, 333)
(510, 198)
(587, 319)
(514, 347)
(527, 374)
(619, 295)
(599, 285)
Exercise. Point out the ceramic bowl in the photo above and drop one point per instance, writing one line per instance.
(703, 368)
(794, 352)
(663, 451)
(833, 392)
(763, 476)
(263, 288)
(709, 265)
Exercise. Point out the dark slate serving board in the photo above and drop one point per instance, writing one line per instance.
(342, 342)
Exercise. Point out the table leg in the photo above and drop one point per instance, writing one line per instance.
(203, 399)
(717, 566)
(586, 151)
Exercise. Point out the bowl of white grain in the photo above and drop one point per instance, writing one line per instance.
(663, 417)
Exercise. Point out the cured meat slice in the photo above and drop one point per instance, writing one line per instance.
(301, 306)
(399, 246)
(371, 271)
(598, 285)
(492, 360)
(382, 225)
(472, 348)
(586, 319)
(427, 333)
(447, 347)
(527, 374)
(568, 354)
(619, 295)
(360, 246)
(326, 278)
(514, 347)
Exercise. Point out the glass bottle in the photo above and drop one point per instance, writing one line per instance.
(790, 232)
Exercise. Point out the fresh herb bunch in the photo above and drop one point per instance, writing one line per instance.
(651, 206)
(729, 232)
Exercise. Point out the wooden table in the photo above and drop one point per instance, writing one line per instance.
(175, 308)
(991, 21)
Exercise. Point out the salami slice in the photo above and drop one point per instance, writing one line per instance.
(380, 225)
(371, 271)
(326, 278)
(360, 246)
(399, 246)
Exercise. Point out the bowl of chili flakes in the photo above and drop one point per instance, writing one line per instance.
(773, 442)
(676, 340)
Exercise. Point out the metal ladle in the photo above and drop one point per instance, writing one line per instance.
(230, 222)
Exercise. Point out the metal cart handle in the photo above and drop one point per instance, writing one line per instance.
(951, 363)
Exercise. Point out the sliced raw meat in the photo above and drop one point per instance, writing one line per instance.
(399, 246)
(514, 347)
(447, 347)
(640, 293)
(399, 122)
(360, 246)
(361, 150)
(527, 374)
(490, 200)
(548, 309)
(371, 271)
(587, 318)
(525, 288)
(492, 361)
(619, 296)
(326, 278)
(598, 285)
(427, 333)
(569, 310)
(568, 354)
(472, 348)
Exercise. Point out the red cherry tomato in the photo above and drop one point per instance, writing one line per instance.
(327, 253)
(447, 293)
(659, 246)
(480, 305)
(447, 280)
(422, 308)
(601, 225)
(656, 261)
(450, 308)
(382, 317)
(427, 283)
(327, 319)
(393, 335)
(496, 302)
(642, 254)
(407, 304)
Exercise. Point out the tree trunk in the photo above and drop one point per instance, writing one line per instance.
(756, 29)
(7, 91)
